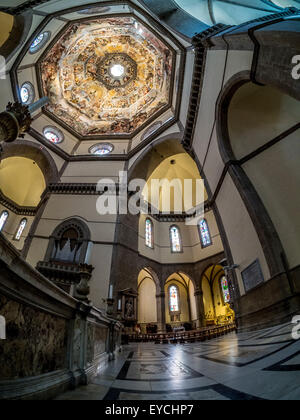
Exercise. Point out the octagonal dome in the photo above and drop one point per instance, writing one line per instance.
(107, 76)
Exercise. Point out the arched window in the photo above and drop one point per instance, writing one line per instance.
(176, 245)
(20, 230)
(204, 233)
(3, 219)
(225, 289)
(149, 233)
(174, 298)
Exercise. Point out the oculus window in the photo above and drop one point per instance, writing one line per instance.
(53, 135)
(101, 149)
(39, 42)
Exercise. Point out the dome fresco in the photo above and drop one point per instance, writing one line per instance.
(107, 76)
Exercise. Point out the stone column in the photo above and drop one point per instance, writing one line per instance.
(200, 309)
(189, 306)
(161, 312)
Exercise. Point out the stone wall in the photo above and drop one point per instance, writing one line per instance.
(36, 342)
(53, 342)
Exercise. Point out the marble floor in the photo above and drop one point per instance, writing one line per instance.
(248, 366)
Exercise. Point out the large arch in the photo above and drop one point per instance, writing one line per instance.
(217, 310)
(33, 151)
(15, 30)
(147, 305)
(129, 258)
(187, 308)
(262, 222)
(21, 182)
(39, 155)
(258, 170)
(154, 154)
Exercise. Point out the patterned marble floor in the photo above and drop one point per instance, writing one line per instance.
(248, 366)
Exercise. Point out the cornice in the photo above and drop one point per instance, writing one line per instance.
(19, 210)
(197, 81)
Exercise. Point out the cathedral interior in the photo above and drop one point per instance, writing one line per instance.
(161, 301)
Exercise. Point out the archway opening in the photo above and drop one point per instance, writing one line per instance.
(180, 303)
(147, 306)
(263, 130)
(22, 181)
(216, 296)
(176, 170)
(7, 23)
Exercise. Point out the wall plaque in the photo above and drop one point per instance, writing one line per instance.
(252, 276)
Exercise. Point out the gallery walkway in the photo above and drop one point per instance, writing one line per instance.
(258, 365)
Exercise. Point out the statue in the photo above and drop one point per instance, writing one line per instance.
(129, 309)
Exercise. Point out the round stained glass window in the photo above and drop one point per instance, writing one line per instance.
(53, 135)
(101, 149)
(27, 93)
(39, 42)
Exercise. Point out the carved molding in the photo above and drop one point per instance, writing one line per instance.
(196, 89)
(19, 210)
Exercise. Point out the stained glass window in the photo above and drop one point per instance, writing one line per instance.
(24, 94)
(204, 234)
(225, 289)
(175, 239)
(174, 299)
(149, 233)
(53, 134)
(102, 149)
(21, 229)
(27, 93)
(39, 42)
(3, 219)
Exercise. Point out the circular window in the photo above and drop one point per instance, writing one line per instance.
(27, 93)
(117, 70)
(53, 135)
(101, 149)
(39, 42)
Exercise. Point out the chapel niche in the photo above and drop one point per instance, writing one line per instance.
(67, 257)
